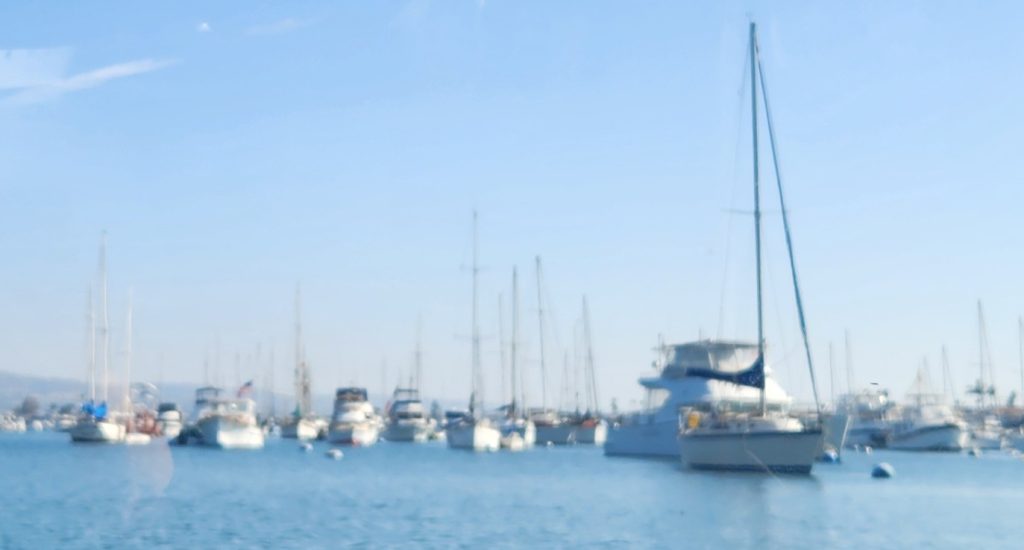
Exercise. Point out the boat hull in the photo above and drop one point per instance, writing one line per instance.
(304, 429)
(475, 437)
(761, 451)
(97, 431)
(943, 437)
(559, 434)
(408, 431)
(362, 434)
(595, 434)
(229, 433)
(644, 439)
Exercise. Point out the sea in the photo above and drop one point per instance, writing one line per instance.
(398, 495)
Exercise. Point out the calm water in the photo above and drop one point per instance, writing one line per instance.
(400, 495)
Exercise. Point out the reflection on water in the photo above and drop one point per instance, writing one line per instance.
(53, 492)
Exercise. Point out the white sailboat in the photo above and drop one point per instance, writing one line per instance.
(95, 423)
(764, 440)
(302, 424)
(590, 427)
(354, 421)
(135, 426)
(517, 430)
(550, 425)
(472, 430)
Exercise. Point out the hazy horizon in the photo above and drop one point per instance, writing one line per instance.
(613, 142)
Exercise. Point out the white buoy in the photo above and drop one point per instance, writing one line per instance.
(334, 454)
(867, 449)
(883, 470)
(306, 447)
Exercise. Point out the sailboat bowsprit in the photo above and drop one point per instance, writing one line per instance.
(768, 439)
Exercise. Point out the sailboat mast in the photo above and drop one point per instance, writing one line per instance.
(757, 202)
(128, 355)
(947, 382)
(92, 348)
(298, 351)
(590, 376)
(501, 346)
(419, 353)
(1020, 351)
(540, 326)
(104, 319)
(514, 344)
(476, 329)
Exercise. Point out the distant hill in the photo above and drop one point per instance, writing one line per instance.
(15, 387)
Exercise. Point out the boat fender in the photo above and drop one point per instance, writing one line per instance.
(883, 470)
(693, 420)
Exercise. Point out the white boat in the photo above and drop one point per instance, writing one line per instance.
(469, 430)
(354, 421)
(764, 439)
(169, 420)
(463, 431)
(226, 423)
(654, 432)
(590, 428)
(519, 430)
(872, 416)
(750, 442)
(928, 424)
(407, 418)
(591, 431)
(95, 427)
(12, 423)
(988, 435)
(302, 424)
(300, 428)
(1015, 439)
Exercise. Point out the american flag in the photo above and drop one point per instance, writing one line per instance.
(245, 390)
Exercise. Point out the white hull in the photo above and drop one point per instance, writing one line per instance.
(592, 435)
(229, 433)
(362, 434)
(837, 426)
(473, 436)
(101, 431)
(755, 451)
(408, 431)
(135, 438)
(170, 429)
(988, 440)
(941, 437)
(867, 435)
(560, 434)
(523, 429)
(652, 439)
(305, 429)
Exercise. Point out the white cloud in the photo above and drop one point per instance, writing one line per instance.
(203, 26)
(287, 24)
(86, 80)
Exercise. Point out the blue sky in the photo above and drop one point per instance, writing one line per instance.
(233, 150)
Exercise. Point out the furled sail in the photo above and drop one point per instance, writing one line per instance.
(752, 376)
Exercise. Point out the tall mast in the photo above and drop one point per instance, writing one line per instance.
(540, 324)
(273, 399)
(947, 382)
(590, 375)
(832, 376)
(501, 345)
(475, 378)
(1020, 351)
(419, 353)
(104, 318)
(300, 401)
(92, 348)
(515, 341)
(757, 202)
(849, 361)
(128, 356)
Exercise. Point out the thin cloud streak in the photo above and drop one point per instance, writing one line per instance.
(87, 80)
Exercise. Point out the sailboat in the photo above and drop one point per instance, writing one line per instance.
(302, 424)
(551, 430)
(470, 429)
(986, 429)
(766, 440)
(137, 424)
(96, 423)
(517, 431)
(590, 428)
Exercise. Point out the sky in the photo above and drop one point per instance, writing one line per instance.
(235, 150)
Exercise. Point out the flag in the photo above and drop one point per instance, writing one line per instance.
(245, 390)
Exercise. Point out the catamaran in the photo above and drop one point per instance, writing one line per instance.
(472, 430)
(764, 439)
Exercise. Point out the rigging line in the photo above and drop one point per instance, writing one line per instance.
(740, 97)
(789, 238)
